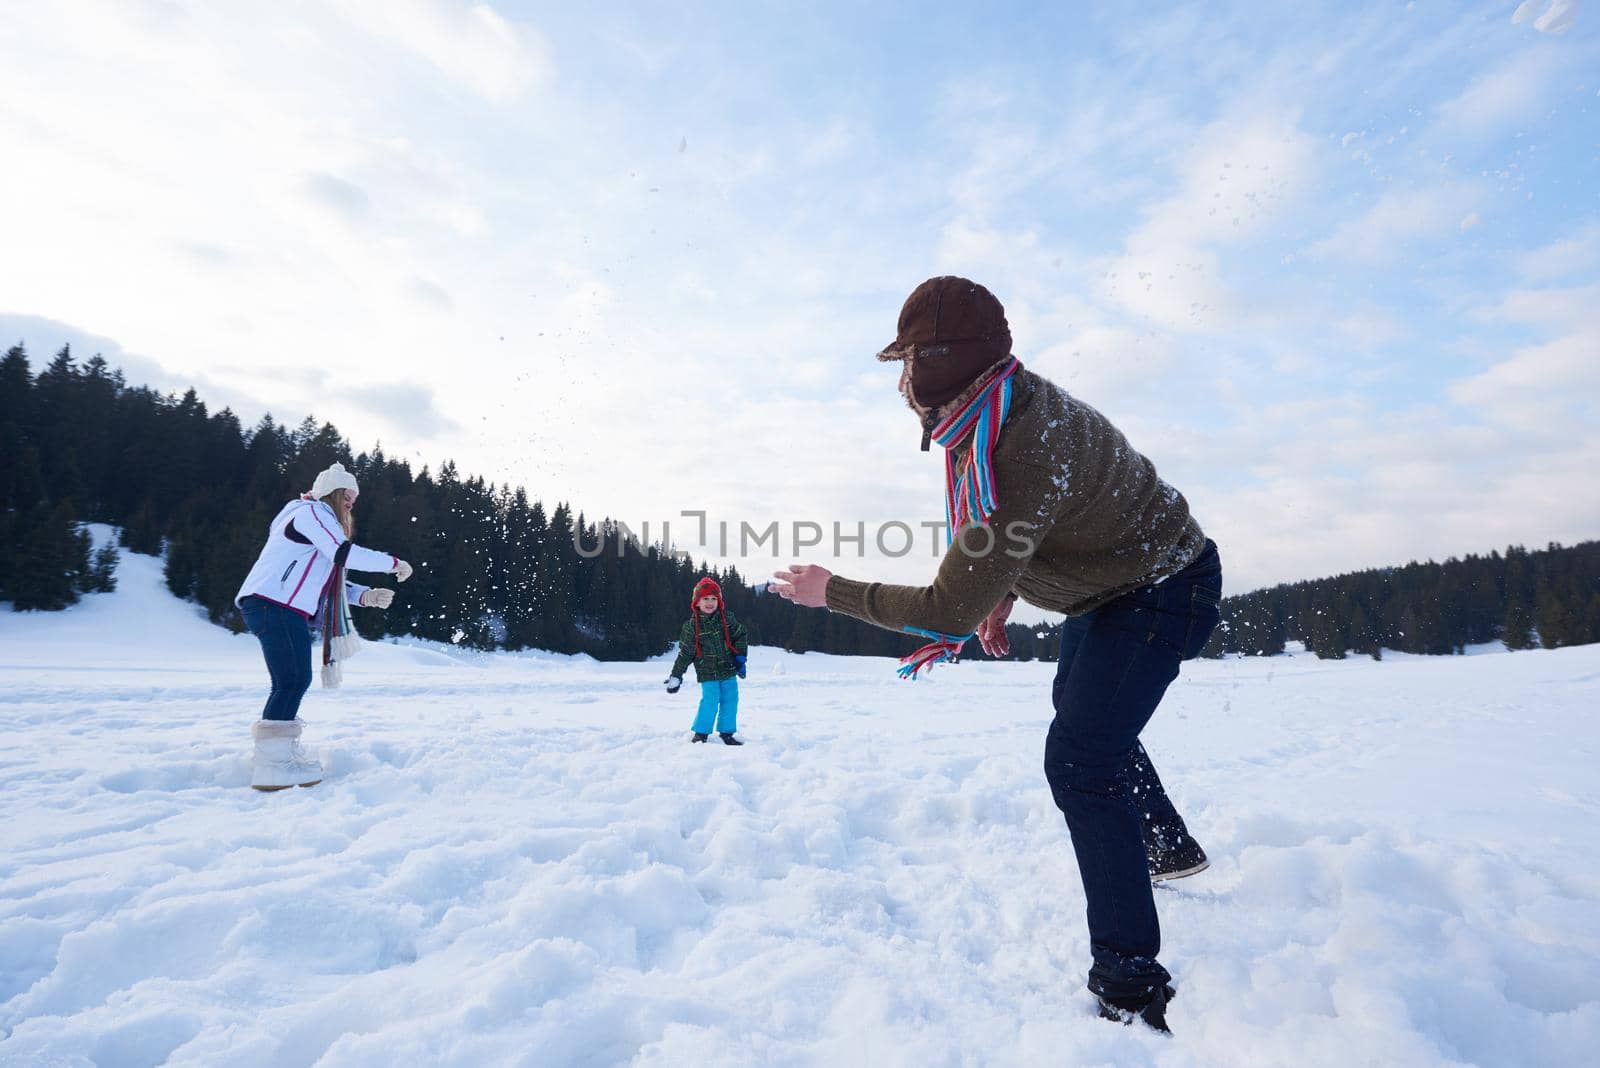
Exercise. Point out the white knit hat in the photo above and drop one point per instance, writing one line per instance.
(335, 477)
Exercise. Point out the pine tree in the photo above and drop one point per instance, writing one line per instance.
(557, 583)
(16, 387)
(52, 558)
(94, 405)
(181, 566)
(1517, 632)
(806, 634)
(54, 428)
(103, 572)
(1557, 623)
(21, 479)
(9, 539)
(142, 533)
(1363, 639)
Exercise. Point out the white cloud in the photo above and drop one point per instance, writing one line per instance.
(1557, 19)
(240, 163)
(1339, 484)
(1560, 17)
(1550, 309)
(1553, 387)
(1398, 220)
(469, 43)
(1311, 522)
(1109, 364)
(344, 198)
(968, 247)
(408, 409)
(1178, 287)
(1353, 479)
(1563, 257)
(1371, 328)
(1511, 93)
(1240, 175)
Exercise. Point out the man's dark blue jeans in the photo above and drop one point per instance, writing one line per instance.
(1116, 663)
(285, 637)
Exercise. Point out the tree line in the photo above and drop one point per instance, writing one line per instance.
(1548, 597)
(496, 568)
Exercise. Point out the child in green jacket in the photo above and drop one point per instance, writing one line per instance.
(717, 644)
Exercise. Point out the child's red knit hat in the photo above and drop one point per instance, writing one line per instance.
(706, 587)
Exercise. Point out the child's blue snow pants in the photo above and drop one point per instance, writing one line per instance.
(712, 695)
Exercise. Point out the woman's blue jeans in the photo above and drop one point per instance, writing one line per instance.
(285, 637)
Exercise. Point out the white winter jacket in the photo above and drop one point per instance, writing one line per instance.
(296, 564)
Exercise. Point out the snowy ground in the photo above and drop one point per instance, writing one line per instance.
(519, 860)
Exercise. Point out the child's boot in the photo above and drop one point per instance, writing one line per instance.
(729, 739)
(698, 737)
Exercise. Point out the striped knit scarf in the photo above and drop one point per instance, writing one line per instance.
(969, 487)
(339, 638)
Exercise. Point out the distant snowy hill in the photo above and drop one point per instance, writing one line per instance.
(517, 859)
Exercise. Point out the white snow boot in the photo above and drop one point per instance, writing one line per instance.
(280, 762)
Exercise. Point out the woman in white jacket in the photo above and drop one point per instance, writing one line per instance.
(298, 579)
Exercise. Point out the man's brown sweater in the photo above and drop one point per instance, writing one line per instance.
(1082, 519)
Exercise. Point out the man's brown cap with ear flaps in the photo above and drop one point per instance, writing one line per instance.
(952, 329)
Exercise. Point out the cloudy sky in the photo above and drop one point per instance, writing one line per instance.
(1334, 267)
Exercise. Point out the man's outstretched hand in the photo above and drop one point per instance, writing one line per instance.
(992, 631)
(804, 584)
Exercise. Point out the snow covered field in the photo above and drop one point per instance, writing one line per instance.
(520, 860)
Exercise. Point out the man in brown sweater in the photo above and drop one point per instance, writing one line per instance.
(1050, 503)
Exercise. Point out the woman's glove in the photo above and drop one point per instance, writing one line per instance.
(738, 664)
(402, 570)
(377, 598)
(672, 683)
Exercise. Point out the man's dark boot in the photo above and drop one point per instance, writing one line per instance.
(1183, 858)
(1151, 1008)
(729, 739)
(698, 737)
